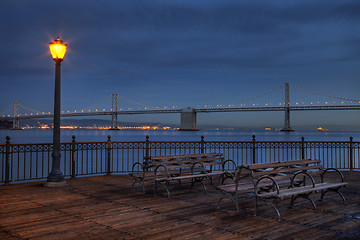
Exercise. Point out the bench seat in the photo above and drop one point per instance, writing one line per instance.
(290, 192)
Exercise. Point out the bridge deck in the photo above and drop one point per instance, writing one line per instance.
(199, 110)
(106, 208)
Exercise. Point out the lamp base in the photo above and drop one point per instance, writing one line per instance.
(55, 184)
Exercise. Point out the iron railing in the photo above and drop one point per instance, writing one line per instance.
(31, 162)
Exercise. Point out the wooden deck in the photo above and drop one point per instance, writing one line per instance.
(106, 207)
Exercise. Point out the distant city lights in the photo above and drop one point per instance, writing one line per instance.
(45, 126)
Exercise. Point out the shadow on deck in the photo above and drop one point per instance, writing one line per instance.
(106, 207)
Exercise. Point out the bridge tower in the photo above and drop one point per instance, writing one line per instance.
(114, 122)
(287, 110)
(188, 120)
(16, 122)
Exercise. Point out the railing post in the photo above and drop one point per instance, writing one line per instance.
(109, 156)
(253, 149)
(351, 154)
(7, 163)
(147, 149)
(302, 148)
(73, 151)
(202, 144)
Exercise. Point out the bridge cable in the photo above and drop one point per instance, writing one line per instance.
(325, 95)
(256, 97)
(7, 110)
(137, 103)
(96, 104)
(29, 109)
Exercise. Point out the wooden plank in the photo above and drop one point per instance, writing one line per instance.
(187, 161)
(189, 176)
(284, 170)
(285, 193)
(282, 181)
(281, 164)
(184, 166)
(200, 155)
(107, 208)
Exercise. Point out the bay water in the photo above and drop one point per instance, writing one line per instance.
(45, 135)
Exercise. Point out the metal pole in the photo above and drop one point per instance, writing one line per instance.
(7, 163)
(302, 148)
(147, 150)
(351, 154)
(56, 177)
(253, 150)
(202, 143)
(73, 157)
(108, 172)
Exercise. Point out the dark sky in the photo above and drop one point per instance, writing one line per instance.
(182, 53)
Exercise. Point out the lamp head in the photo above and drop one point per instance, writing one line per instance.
(58, 49)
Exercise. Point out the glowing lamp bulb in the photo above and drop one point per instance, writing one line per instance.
(58, 49)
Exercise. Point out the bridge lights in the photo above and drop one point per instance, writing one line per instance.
(56, 177)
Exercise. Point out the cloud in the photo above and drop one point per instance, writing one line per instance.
(155, 45)
(184, 34)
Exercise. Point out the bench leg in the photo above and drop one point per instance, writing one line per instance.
(163, 185)
(333, 190)
(277, 211)
(234, 199)
(256, 205)
(306, 196)
(273, 205)
(155, 186)
(200, 180)
(218, 204)
(211, 181)
(236, 202)
(143, 187)
(141, 183)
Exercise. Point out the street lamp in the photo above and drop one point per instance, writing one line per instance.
(56, 177)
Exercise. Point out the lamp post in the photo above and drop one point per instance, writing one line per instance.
(56, 177)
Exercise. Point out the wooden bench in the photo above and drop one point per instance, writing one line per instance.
(280, 180)
(164, 169)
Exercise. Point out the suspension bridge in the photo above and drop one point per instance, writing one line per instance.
(188, 116)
